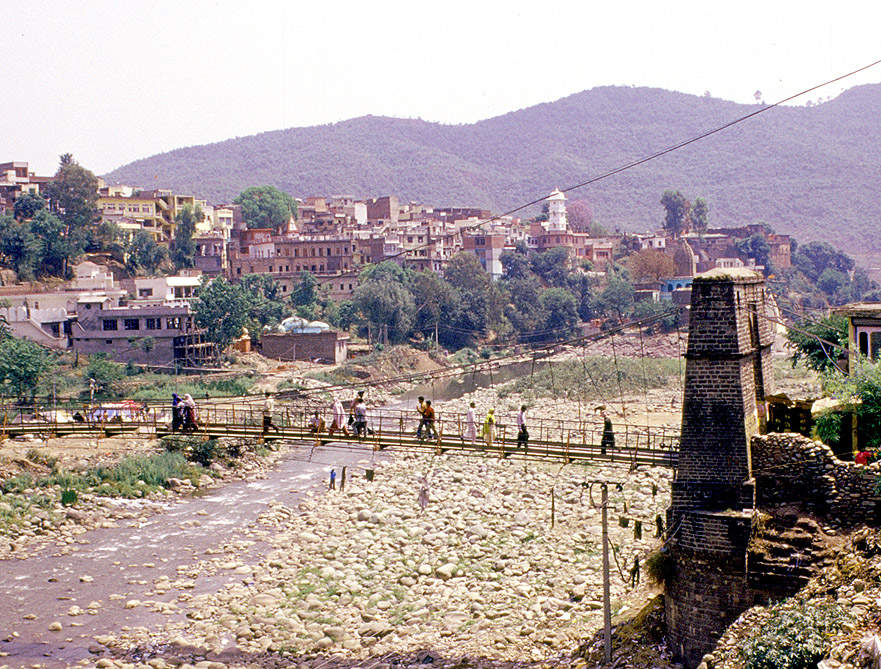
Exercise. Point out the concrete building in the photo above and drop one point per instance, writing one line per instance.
(16, 179)
(150, 334)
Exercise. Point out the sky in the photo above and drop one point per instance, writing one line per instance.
(113, 81)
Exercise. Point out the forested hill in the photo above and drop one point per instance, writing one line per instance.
(811, 171)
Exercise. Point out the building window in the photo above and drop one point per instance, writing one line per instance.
(875, 343)
(864, 344)
(108, 341)
(145, 292)
(131, 323)
(108, 324)
(154, 324)
(173, 323)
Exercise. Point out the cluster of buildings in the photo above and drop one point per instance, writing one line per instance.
(330, 237)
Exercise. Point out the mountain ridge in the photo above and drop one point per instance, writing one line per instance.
(807, 171)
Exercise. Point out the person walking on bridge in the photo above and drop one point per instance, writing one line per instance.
(268, 407)
(428, 417)
(489, 427)
(522, 432)
(608, 438)
(189, 409)
(470, 425)
(420, 409)
(339, 418)
(360, 414)
(176, 418)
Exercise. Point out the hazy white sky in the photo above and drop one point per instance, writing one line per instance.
(114, 81)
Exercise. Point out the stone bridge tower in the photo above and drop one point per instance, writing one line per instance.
(727, 372)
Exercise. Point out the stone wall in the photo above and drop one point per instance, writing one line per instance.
(790, 468)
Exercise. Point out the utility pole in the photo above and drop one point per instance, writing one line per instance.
(607, 605)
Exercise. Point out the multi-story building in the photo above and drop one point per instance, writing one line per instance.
(331, 259)
(15, 180)
(151, 334)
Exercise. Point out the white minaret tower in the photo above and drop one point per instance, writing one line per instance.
(557, 212)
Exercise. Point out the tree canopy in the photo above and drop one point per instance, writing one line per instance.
(676, 208)
(73, 194)
(266, 207)
(183, 249)
(222, 309)
(23, 365)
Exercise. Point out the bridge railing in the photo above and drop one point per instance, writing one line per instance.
(582, 434)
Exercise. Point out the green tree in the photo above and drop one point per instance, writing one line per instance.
(27, 206)
(552, 266)
(266, 207)
(757, 248)
(616, 298)
(387, 270)
(676, 207)
(819, 342)
(700, 215)
(387, 306)
(23, 364)
(436, 302)
(183, 249)
(524, 312)
(515, 264)
(106, 373)
(265, 306)
(582, 288)
(144, 255)
(19, 248)
(560, 313)
(222, 309)
(835, 284)
(481, 302)
(73, 195)
(305, 293)
(814, 257)
(55, 249)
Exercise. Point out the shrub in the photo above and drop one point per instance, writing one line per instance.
(206, 452)
(658, 566)
(827, 428)
(69, 497)
(794, 637)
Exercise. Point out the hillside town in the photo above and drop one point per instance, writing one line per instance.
(99, 307)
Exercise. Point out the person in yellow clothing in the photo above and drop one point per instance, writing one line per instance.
(489, 427)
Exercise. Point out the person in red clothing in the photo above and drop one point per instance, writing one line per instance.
(428, 420)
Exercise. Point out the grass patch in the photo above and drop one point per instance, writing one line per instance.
(160, 386)
(130, 477)
(596, 378)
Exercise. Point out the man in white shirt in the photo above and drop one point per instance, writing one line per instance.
(522, 432)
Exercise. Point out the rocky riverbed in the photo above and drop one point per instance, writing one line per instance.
(450, 555)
